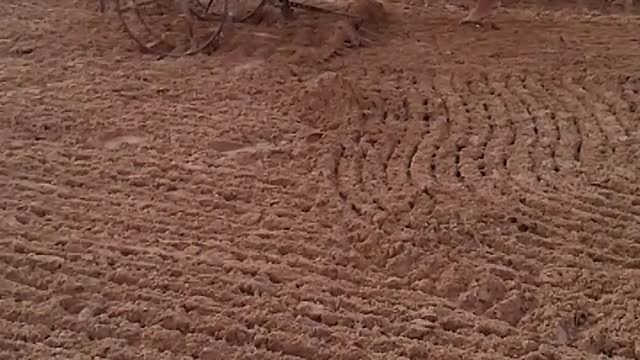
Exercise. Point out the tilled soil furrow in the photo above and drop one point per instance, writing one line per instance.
(417, 127)
(153, 322)
(543, 152)
(608, 124)
(484, 121)
(115, 336)
(533, 220)
(564, 206)
(396, 121)
(584, 227)
(630, 93)
(419, 168)
(423, 165)
(18, 350)
(468, 145)
(448, 155)
(613, 94)
(617, 183)
(462, 121)
(515, 159)
(374, 178)
(617, 205)
(342, 165)
(77, 331)
(405, 132)
(530, 245)
(391, 122)
(83, 206)
(592, 149)
(525, 127)
(21, 288)
(549, 130)
(377, 145)
(106, 325)
(608, 108)
(335, 164)
(530, 108)
(569, 137)
(442, 88)
(435, 118)
(574, 221)
(599, 210)
(498, 146)
(604, 212)
(152, 258)
(156, 291)
(23, 332)
(214, 270)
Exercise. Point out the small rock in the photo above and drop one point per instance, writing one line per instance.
(218, 351)
(237, 335)
(419, 329)
(494, 327)
(561, 335)
(280, 274)
(85, 314)
(121, 276)
(312, 310)
(49, 262)
(453, 323)
(393, 283)
(71, 304)
(175, 321)
(428, 315)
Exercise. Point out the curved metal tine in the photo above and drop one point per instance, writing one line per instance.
(215, 35)
(176, 49)
(318, 9)
(208, 6)
(139, 4)
(247, 13)
(204, 14)
(186, 14)
(159, 38)
(151, 45)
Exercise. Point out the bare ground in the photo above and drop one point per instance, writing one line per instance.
(441, 192)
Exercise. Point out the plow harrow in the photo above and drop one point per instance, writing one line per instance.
(185, 27)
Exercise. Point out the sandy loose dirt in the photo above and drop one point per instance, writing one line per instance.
(410, 190)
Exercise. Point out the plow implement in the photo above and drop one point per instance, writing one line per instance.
(185, 27)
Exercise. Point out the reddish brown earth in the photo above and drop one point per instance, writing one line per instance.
(441, 192)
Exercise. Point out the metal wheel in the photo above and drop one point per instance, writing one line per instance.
(239, 11)
(172, 27)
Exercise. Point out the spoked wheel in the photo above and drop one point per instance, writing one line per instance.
(239, 11)
(172, 27)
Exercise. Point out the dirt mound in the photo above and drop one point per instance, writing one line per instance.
(370, 12)
(330, 102)
(312, 37)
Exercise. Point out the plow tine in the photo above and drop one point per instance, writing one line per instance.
(152, 44)
(318, 9)
(151, 27)
(208, 6)
(127, 8)
(160, 32)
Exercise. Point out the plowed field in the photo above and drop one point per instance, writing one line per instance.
(412, 190)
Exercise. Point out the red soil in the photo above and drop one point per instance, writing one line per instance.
(414, 189)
